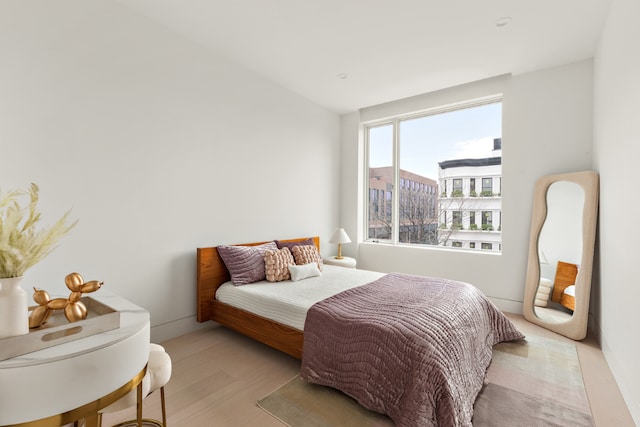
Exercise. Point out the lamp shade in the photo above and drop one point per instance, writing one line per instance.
(339, 236)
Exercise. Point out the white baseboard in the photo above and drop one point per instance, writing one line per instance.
(176, 328)
(507, 306)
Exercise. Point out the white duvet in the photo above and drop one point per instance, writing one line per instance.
(287, 302)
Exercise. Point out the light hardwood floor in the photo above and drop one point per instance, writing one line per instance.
(219, 375)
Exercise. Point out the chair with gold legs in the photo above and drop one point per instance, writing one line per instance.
(157, 376)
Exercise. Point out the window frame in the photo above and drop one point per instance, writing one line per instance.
(395, 122)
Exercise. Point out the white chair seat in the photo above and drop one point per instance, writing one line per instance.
(157, 376)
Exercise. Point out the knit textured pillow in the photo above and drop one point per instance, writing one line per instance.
(276, 264)
(290, 245)
(245, 263)
(306, 254)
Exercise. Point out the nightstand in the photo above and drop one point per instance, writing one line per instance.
(346, 261)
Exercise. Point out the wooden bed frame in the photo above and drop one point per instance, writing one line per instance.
(211, 273)
(565, 276)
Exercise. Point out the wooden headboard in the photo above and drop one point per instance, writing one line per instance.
(565, 276)
(211, 273)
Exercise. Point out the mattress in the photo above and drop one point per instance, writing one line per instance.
(570, 290)
(287, 302)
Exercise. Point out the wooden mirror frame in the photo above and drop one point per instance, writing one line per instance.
(575, 327)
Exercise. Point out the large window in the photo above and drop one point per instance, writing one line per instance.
(436, 161)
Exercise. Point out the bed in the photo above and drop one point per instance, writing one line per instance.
(564, 285)
(427, 371)
(210, 275)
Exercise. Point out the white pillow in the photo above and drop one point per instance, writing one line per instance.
(299, 272)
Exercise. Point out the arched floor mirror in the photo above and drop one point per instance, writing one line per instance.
(561, 245)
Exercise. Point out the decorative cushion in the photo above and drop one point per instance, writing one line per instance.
(299, 272)
(276, 263)
(305, 254)
(245, 263)
(291, 245)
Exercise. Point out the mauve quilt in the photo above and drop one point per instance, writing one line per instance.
(412, 347)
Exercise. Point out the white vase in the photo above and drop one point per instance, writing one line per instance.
(14, 310)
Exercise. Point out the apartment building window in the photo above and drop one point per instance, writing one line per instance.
(472, 187)
(456, 221)
(457, 188)
(487, 220)
(406, 153)
(456, 244)
(488, 246)
(472, 245)
(487, 187)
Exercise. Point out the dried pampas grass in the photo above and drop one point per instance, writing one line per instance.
(22, 245)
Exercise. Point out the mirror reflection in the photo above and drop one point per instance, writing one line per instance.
(561, 247)
(559, 252)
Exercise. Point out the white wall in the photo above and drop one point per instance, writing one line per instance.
(561, 237)
(158, 145)
(547, 129)
(616, 291)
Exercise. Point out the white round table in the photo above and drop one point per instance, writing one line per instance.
(52, 386)
(345, 261)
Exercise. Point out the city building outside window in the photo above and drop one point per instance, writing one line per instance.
(435, 160)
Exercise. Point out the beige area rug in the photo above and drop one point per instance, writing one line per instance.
(537, 382)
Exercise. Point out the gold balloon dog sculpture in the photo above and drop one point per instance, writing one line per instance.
(74, 309)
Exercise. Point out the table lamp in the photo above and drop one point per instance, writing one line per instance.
(339, 236)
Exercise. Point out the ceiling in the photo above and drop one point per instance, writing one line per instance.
(349, 54)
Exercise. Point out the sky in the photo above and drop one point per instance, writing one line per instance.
(425, 141)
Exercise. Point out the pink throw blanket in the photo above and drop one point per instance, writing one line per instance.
(414, 348)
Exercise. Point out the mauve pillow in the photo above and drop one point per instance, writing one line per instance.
(245, 263)
(291, 245)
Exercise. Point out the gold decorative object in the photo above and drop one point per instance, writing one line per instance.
(74, 309)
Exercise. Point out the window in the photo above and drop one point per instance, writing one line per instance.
(456, 221)
(487, 187)
(488, 246)
(380, 146)
(456, 244)
(472, 245)
(457, 187)
(388, 206)
(428, 158)
(487, 220)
